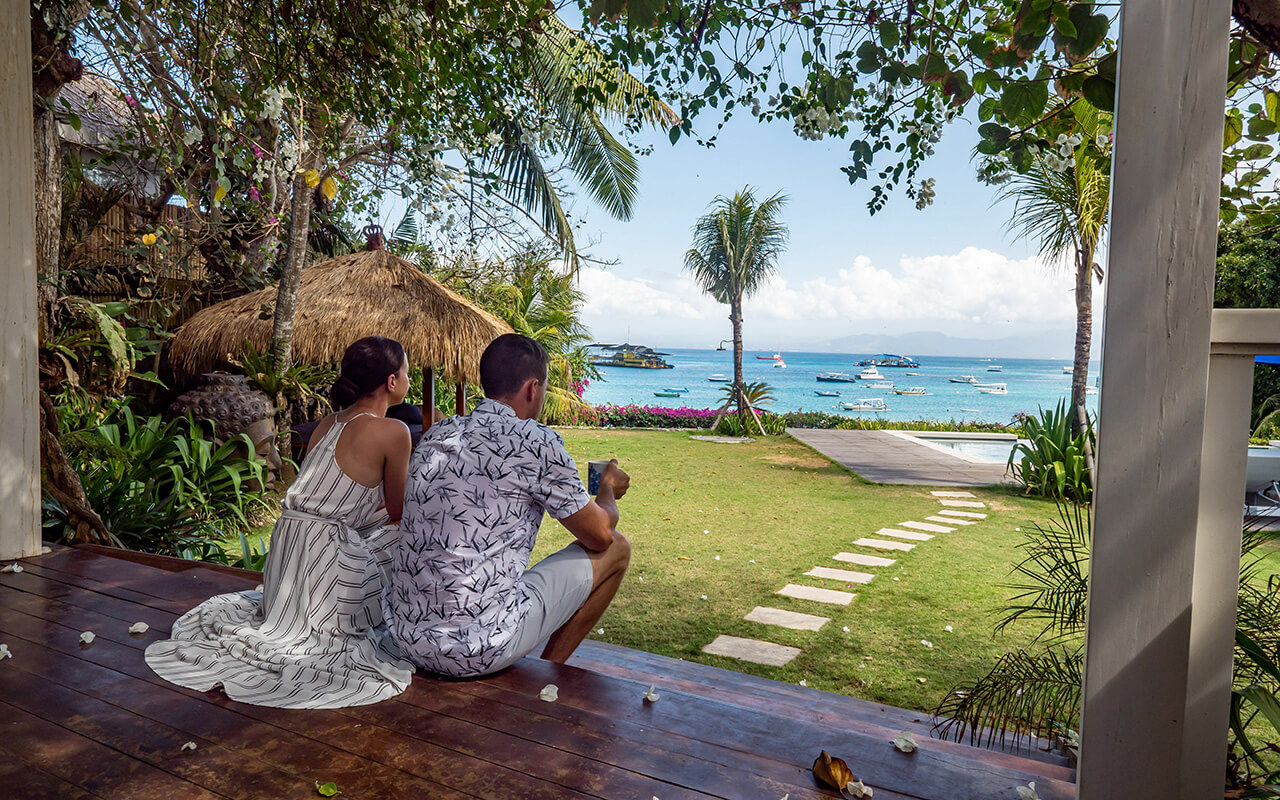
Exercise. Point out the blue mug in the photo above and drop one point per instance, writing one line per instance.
(595, 471)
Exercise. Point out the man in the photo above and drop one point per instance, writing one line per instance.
(462, 602)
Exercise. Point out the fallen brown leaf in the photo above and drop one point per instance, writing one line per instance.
(832, 772)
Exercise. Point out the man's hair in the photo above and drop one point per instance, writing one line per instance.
(509, 361)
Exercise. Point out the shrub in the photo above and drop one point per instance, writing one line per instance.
(161, 486)
(634, 416)
(1049, 461)
(733, 425)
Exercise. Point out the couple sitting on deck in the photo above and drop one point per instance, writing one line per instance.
(381, 562)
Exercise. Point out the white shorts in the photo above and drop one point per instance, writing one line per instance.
(558, 586)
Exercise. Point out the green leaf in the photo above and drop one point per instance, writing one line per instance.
(327, 789)
(74, 119)
(1100, 92)
(995, 132)
(1090, 29)
(1064, 26)
(1233, 129)
(1273, 105)
(1255, 151)
(1260, 127)
(1024, 100)
(674, 134)
(888, 31)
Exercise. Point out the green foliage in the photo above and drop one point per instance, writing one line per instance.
(1049, 460)
(299, 384)
(756, 393)
(732, 425)
(161, 486)
(1248, 276)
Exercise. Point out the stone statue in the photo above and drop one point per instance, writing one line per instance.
(234, 408)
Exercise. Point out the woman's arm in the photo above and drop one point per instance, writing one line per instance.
(395, 469)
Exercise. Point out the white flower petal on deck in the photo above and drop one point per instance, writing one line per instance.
(947, 629)
(858, 789)
(139, 627)
(87, 637)
(928, 644)
(651, 696)
(905, 742)
(550, 693)
(803, 682)
(189, 746)
(1028, 792)
(14, 567)
(4, 652)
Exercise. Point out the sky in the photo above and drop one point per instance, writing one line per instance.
(951, 268)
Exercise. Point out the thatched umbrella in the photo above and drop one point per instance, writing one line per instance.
(370, 293)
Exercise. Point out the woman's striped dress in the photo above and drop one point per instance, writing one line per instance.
(314, 636)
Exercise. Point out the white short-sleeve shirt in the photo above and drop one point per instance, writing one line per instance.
(478, 488)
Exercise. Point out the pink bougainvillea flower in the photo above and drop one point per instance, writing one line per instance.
(253, 194)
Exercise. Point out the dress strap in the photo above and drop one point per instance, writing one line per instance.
(357, 416)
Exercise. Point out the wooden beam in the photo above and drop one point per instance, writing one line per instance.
(460, 399)
(19, 408)
(1166, 171)
(428, 397)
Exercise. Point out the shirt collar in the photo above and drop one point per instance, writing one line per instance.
(490, 406)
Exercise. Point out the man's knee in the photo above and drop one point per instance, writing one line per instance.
(620, 550)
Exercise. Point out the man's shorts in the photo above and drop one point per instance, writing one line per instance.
(558, 586)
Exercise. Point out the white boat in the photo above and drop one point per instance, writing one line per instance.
(821, 393)
(717, 378)
(995, 368)
(675, 388)
(1068, 370)
(774, 357)
(912, 390)
(880, 385)
(964, 379)
(870, 374)
(1091, 390)
(994, 390)
(984, 386)
(867, 404)
(836, 377)
(779, 364)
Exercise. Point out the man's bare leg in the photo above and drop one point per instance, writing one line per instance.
(607, 567)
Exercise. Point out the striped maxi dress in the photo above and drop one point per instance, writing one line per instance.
(313, 635)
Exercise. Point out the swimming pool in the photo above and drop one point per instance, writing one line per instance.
(984, 448)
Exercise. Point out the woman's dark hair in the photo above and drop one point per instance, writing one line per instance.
(365, 367)
(509, 361)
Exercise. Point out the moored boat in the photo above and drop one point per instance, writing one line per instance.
(964, 379)
(870, 374)
(836, 377)
(717, 378)
(675, 388)
(633, 356)
(912, 390)
(667, 394)
(995, 368)
(821, 393)
(779, 364)
(993, 390)
(774, 357)
(880, 385)
(866, 404)
(889, 360)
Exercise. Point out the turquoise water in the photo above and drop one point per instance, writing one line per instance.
(982, 451)
(1031, 384)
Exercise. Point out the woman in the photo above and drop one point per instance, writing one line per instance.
(313, 636)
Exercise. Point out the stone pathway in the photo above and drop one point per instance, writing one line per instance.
(757, 651)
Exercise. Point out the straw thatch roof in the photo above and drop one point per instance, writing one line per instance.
(370, 293)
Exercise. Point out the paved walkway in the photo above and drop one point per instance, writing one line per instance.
(884, 458)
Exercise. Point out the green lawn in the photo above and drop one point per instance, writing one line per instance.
(772, 509)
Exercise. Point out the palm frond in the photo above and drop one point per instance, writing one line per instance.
(527, 183)
(1023, 696)
(1055, 573)
(607, 169)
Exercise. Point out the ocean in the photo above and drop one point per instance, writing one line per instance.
(1032, 384)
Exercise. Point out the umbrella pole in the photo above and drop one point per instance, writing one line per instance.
(428, 397)
(460, 406)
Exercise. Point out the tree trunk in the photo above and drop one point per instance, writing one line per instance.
(735, 318)
(294, 260)
(48, 166)
(1084, 341)
(1261, 18)
(63, 482)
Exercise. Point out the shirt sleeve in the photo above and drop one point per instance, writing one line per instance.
(560, 489)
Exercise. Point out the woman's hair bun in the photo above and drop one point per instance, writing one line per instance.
(365, 366)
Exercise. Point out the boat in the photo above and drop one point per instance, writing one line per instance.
(870, 374)
(821, 393)
(980, 386)
(717, 378)
(1068, 370)
(675, 388)
(880, 385)
(912, 390)
(889, 360)
(868, 404)
(995, 368)
(914, 374)
(774, 357)
(994, 390)
(667, 394)
(633, 356)
(964, 379)
(1090, 390)
(836, 377)
(779, 364)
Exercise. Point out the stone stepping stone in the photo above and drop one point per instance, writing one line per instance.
(953, 494)
(966, 514)
(881, 544)
(963, 503)
(927, 526)
(863, 559)
(787, 619)
(753, 650)
(727, 440)
(846, 575)
(897, 534)
(817, 595)
(951, 520)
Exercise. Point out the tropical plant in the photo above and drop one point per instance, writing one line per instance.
(756, 393)
(735, 249)
(1061, 202)
(161, 486)
(300, 384)
(1050, 457)
(769, 424)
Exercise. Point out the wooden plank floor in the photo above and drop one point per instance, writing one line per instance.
(90, 721)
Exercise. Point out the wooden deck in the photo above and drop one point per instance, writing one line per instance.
(87, 721)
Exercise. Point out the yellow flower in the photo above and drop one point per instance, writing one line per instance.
(148, 239)
(329, 188)
(219, 193)
(312, 178)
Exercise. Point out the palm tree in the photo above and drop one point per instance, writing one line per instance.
(1063, 203)
(735, 249)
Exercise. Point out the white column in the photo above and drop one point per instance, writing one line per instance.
(1166, 170)
(19, 411)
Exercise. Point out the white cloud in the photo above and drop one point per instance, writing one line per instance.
(972, 287)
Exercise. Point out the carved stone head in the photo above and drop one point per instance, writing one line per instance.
(234, 408)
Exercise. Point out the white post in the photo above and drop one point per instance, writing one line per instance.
(1166, 172)
(19, 411)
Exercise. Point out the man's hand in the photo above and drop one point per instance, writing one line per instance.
(615, 478)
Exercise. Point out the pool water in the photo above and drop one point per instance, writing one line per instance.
(981, 451)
